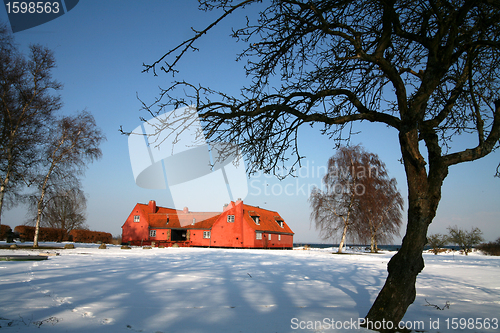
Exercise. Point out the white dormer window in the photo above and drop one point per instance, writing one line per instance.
(230, 218)
(256, 219)
(137, 218)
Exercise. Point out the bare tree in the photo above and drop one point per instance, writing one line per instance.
(336, 207)
(72, 143)
(381, 209)
(466, 240)
(437, 242)
(64, 208)
(27, 104)
(427, 69)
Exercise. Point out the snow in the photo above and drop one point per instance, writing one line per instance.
(87, 289)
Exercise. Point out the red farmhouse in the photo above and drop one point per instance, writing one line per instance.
(239, 225)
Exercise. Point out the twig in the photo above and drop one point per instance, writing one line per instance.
(446, 306)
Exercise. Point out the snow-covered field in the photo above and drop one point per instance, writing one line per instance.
(224, 290)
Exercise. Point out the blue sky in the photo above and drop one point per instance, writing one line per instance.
(100, 47)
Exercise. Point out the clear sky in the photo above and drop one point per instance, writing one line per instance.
(100, 47)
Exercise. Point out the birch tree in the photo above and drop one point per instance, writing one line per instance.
(27, 104)
(64, 207)
(72, 144)
(381, 209)
(338, 207)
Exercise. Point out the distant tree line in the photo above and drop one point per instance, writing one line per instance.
(42, 154)
(466, 240)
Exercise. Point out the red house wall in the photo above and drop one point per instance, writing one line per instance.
(196, 238)
(135, 231)
(229, 234)
(285, 242)
(163, 237)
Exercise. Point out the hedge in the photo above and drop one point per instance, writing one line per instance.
(58, 235)
(491, 248)
(44, 235)
(87, 236)
(4, 230)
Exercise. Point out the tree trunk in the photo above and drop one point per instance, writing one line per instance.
(3, 188)
(38, 218)
(40, 204)
(424, 193)
(344, 233)
(372, 243)
(2, 191)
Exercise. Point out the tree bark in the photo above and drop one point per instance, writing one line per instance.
(424, 194)
(5, 182)
(40, 204)
(342, 241)
(2, 191)
(372, 243)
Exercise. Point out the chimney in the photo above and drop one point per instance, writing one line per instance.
(152, 206)
(185, 210)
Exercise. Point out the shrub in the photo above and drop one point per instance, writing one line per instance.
(87, 236)
(5, 230)
(491, 248)
(44, 235)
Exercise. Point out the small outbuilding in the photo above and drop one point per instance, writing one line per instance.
(237, 226)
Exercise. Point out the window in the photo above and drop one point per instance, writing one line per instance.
(279, 221)
(206, 234)
(137, 218)
(279, 237)
(152, 233)
(255, 216)
(258, 235)
(230, 218)
(269, 236)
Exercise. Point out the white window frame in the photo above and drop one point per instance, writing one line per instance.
(137, 218)
(152, 233)
(269, 236)
(256, 219)
(258, 235)
(230, 218)
(206, 234)
(279, 237)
